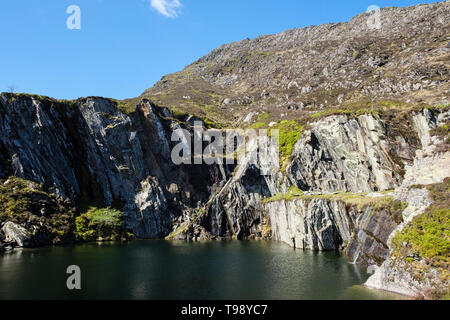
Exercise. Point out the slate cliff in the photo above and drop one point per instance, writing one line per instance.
(88, 152)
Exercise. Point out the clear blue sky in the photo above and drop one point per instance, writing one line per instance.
(125, 46)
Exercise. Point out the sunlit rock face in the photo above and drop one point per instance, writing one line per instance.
(339, 154)
(87, 151)
(336, 155)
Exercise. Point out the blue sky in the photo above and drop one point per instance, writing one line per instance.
(125, 46)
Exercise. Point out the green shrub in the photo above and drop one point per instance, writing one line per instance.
(83, 230)
(99, 224)
(178, 114)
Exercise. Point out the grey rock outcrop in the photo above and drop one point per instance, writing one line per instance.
(341, 154)
(88, 151)
(393, 276)
(16, 235)
(337, 154)
(314, 225)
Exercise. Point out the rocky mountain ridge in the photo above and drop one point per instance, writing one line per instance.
(303, 71)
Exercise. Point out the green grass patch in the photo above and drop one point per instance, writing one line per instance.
(178, 114)
(290, 132)
(126, 106)
(258, 125)
(358, 200)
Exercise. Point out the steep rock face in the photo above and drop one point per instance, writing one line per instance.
(337, 155)
(351, 155)
(323, 224)
(88, 152)
(36, 145)
(315, 225)
(237, 209)
(150, 211)
(368, 245)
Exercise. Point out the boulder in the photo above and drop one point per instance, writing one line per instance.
(17, 235)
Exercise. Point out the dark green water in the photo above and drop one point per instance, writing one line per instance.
(179, 270)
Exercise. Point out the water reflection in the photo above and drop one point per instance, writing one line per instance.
(180, 270)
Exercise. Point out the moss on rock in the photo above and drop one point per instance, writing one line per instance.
(27, 203)
(425, 242)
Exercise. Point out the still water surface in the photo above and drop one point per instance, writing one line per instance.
(179, 270)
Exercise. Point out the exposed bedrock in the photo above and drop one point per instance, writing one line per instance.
(321, 224)
(88, 152)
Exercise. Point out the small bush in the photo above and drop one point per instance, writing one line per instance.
(99, 224)
(177, 114)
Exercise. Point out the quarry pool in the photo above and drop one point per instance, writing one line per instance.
(179, 270)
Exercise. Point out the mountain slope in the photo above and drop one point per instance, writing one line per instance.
(304, 71)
